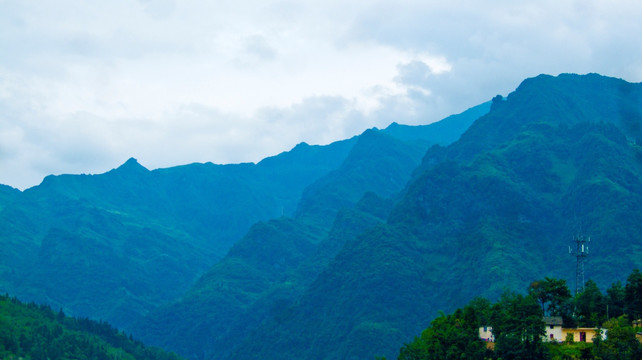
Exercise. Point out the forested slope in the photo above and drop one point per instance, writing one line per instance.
(30, 331)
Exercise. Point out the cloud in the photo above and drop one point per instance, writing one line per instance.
(159, 9)
(493, 46)
(416, 75)
(258, 46)
(413, 73)
(176, 82)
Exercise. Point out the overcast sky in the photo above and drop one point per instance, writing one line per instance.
(84, 85)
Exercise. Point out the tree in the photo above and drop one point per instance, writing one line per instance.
(481, 308)
(518, 327)
(615, 299)
(590, 305)
(620, 343)
(448, 337)
(551, 294)
(633, 295)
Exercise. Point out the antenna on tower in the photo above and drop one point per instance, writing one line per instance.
(581, 252)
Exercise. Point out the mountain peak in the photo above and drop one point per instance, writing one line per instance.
(132, 165)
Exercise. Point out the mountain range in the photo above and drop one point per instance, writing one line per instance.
(342, 251)
(114, 246)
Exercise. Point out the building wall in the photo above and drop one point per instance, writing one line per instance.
(486, 333)
(589, 334)
(556, 333)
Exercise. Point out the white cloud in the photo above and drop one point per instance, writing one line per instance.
(173, 82)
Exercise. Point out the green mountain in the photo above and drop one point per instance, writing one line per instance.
(37, 332)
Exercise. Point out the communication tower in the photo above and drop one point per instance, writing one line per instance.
(581, 253)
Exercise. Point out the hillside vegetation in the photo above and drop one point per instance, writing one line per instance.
(36, 332)
(519, 331)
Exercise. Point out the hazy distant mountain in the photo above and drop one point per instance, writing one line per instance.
(117, 245)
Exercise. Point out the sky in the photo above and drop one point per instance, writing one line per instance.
(85, 85)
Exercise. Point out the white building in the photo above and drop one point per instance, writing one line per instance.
(553, 328)
(486, 333)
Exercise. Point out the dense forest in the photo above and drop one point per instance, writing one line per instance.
(36, 332)
(518, 326)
